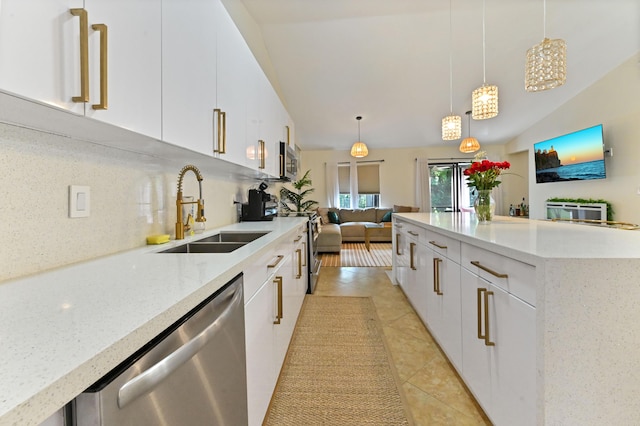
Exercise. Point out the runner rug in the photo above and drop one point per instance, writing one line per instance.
(356, 254)
(338, 370)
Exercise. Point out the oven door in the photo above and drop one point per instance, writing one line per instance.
(288, 162)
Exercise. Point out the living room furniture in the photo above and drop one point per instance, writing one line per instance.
(347, 225)
(382, 230)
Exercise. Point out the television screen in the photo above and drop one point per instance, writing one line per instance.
(575, 156)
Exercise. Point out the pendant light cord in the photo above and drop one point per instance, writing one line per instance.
(450, 59)
(544, 19)
(484, 63)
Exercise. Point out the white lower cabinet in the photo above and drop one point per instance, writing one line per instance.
(499, 353)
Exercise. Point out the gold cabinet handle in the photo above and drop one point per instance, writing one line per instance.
(304, 251)
(281, 165)
(278, 259)
(415, 234)
(436, 276)
(261, 154)
(411, 250)
(433, 243)
(398, 244)
(220, 122)
(487, 339)
(297, 239)
(104, 101)
(299, 252)
(479, 300)
(288, 135)
(278, 282)
(84, 55)
(491, 271)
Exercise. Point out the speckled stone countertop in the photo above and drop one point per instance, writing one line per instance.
(62, 330)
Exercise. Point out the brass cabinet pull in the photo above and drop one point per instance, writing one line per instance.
(220, 118)
(304, 250)
(491, 271)
(299, 252)
(297, 239)
(487, 339)
(274, 264)
(104, 101)
(261, 154)
(281, 165)
(288, 135)
(479, 299)
(411, 249)
(278, 282)
(433, 243)
(413, 233)
(436, 276)
(398, 244)
(84, 55)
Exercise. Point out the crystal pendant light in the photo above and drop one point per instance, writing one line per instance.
(485, 98)
(546, 66)
(469, 144)
(359, 149)
(451, 124)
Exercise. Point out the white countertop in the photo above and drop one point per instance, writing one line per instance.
(526, 239)
(62, 330)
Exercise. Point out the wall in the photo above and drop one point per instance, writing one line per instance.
(613, 101)
(397, 173)
(132, 196)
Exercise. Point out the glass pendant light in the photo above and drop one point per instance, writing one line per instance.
(484, 102)
(546, 66)
(451, 124)
(359, 149)
(469, 144)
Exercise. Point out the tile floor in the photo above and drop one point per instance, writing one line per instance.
(435, 393)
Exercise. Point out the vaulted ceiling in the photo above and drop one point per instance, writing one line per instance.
(388, 61)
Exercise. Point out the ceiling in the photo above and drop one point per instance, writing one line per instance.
(388, 61)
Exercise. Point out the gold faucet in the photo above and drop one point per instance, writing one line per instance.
(180, 225)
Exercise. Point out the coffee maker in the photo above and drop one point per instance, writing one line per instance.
(261, 205)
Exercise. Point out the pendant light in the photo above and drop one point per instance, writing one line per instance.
(546, 66)
(469, 144)
(451, 124)
(484, 98)
(359, 149)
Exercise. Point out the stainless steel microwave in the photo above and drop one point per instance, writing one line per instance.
(288, 162)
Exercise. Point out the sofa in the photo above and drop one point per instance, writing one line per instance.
(346, 225)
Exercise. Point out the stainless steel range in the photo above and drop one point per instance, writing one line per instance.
(313, 259)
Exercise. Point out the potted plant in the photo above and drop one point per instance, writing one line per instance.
(294, 201)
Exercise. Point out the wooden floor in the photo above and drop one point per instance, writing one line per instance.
(434, 391)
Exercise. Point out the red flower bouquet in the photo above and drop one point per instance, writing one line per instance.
(483, 175)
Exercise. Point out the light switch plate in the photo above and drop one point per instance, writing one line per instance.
(79, 201)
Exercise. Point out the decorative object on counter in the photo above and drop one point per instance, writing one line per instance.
(180, 224)
(297, 198)
(359, 149)
(483, 176)
(469, 144)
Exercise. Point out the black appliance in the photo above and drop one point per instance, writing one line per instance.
(261, 205)
(288, 162)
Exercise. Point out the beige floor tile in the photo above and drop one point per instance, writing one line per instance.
(428, 411)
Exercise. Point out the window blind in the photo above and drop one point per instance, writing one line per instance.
(368, 179)
(343, 179)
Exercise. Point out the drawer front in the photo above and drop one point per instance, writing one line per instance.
(511, 275)
(259, 270)
(441, 244)
(412, 231)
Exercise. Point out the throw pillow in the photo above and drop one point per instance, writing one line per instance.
(333, 217)
(387, 217)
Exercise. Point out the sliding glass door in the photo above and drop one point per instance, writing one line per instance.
(448, 187)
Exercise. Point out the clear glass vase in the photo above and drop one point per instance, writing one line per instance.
(484, 205)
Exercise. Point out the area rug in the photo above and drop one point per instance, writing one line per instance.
(338, 370)
(356, 254)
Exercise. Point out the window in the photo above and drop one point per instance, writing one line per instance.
(368, 186)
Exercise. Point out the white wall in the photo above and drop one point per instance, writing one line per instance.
(613, 101)
(132, 196)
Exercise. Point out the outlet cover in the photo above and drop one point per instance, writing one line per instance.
(79, 201)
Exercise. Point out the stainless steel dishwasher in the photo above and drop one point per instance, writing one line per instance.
(194, 373)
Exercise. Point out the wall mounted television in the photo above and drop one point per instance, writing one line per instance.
(574, 156)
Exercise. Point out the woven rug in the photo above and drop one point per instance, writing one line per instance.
(356, 254)
(337, 370)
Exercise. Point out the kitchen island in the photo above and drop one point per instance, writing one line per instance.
(64, 329)
(577, 284)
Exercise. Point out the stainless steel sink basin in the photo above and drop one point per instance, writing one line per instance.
(233, 237)
(205, 247)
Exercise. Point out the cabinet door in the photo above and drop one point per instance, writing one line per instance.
(260, 344)
(420, 269)
(189, 73)
(401, 258)
(290, 299)
(513, 363)
(134, 86)
(476, 355)
(40, 51)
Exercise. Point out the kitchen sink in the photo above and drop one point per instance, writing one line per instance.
(205, 247)
(233, 237)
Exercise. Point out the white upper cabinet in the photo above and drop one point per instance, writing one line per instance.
(75, 54)
(40, 51)
(189, 73)
(131, 83)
